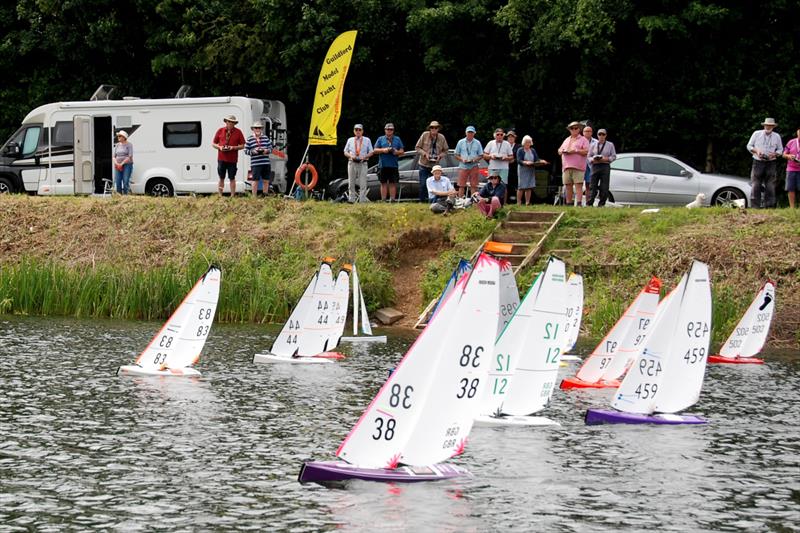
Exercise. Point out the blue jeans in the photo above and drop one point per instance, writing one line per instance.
(122, 178)
(424, 174)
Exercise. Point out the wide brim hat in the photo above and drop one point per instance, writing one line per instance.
(231, 118)
(769, 121)
(122, 133)
(573, 124)
(436, 167)
(434, 124)
(257, 125)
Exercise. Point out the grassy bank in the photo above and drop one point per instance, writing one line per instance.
(136, 257)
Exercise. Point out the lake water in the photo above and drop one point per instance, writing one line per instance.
(82, 448)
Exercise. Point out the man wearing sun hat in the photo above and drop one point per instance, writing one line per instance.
(258, 147)
(573, 153)
(431, 147)
(389, 147)
(228, 141)
(468, 152)
(440, 191)
(358, 150)
(766, 146)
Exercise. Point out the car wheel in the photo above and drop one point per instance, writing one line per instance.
(159, 187)
(726, 196)
(6, 186)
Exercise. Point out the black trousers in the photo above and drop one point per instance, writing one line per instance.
(601, 174)
(764, 174)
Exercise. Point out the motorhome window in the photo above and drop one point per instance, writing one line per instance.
(30, 141)
(182, 134)
(64, 134)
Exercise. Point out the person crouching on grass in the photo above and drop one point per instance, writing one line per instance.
(440, 191)
(491, 196)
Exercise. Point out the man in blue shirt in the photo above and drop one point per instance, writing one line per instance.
(468, 152)
(389, 148)
(766, 146)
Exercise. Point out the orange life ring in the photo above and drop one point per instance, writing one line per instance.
(314, 176)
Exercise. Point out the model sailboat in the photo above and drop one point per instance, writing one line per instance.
(523, 372)
(360, 305)
(668, 373)
(424, 412)
(614, 354)
(574, 315)
(316, 323)
(177, 346)
(750, 334)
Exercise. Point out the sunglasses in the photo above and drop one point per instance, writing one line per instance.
(601, 134)
(575, 128)
(357, 129)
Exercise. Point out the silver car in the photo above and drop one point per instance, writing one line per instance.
(641, 178)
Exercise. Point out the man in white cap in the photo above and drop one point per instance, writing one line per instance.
(389, 147)
(258, 147)
(468, 152)
(440, 191)
(228, 141)
(357, 150)
(766, 146)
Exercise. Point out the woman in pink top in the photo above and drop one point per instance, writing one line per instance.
(573, 162)
(792, 154)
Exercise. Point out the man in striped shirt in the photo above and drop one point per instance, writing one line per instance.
(258, 147)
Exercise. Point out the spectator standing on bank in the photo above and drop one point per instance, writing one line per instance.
(228, 141)
(527, 161)
(792, 154)
(498, 153)
(258, 147)
(573, 153)
(491, 196)
(389, 147)
(513, 175)
(468, 152)
(602, 153)
(357, 150)
(766, 146)
(440, 191)
(431, 146)
(587, 176)
(123, 163)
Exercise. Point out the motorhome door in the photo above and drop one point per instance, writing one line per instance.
(83, 157)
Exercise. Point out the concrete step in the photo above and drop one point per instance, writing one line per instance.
(532, 216)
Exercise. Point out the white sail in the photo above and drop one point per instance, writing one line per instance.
(377, 439)
(610, 356)
(356, 297)
(507, 351)
(461, 370)
(509, 295)
(668, 373)
(533, 380)
(750, 334)
(320, 321)
(338, 302)
(288, 340)
(574, 312)
(179, 342)
(686, 368)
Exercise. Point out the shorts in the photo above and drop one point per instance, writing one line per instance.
(389, 175)
(473, 175)
(260, 172)
(792, 180)
(223, 167)
(572, 175)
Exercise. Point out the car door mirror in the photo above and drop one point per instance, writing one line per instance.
(11, 149)
(685, 173)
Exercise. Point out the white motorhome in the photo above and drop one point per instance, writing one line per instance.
(66, 147)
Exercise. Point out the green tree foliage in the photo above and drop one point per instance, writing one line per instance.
(688, 77)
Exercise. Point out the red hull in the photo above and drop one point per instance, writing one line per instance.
(575, 383)
(330, 355)
(735, 361)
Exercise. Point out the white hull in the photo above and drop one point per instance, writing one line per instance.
(272, 358)
(135, 370)
(570, 358)
(365, 338)
(505, 421)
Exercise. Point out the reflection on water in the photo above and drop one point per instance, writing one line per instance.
(82, 448)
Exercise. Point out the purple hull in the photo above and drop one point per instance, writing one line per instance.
(327, 471)
(607, 416)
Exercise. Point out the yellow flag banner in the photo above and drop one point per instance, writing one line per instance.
(330, 85)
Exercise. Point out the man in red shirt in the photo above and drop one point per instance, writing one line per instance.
(228, 141)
